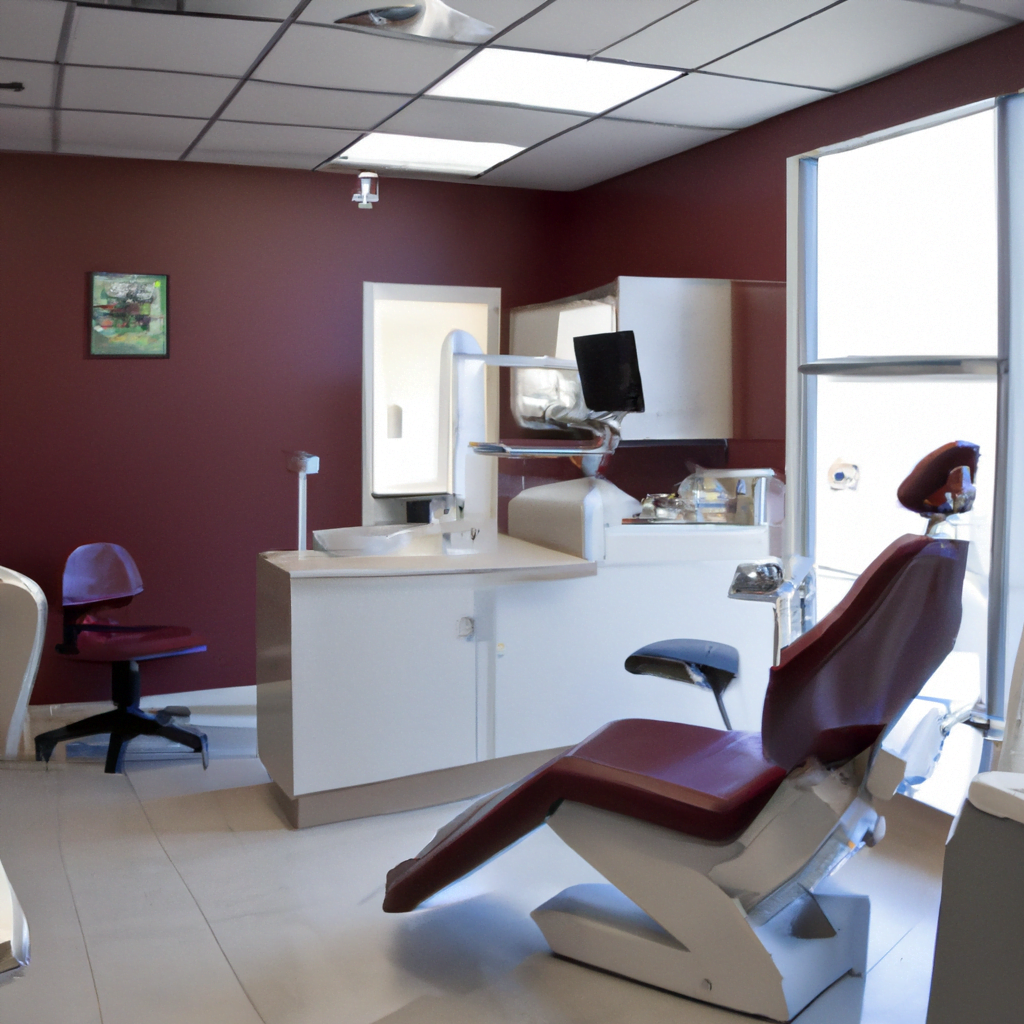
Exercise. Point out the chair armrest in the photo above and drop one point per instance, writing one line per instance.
(671, 658)
(701, 662)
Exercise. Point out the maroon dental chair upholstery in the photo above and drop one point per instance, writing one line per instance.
(97, 578)
(831, 697)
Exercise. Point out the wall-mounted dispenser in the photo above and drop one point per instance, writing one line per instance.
(369, 190)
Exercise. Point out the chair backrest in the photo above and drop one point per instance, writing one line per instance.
(837, 688)
(22, 625)
(98, 573)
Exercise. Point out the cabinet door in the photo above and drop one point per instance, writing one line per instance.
(383, 685)
(560, 675)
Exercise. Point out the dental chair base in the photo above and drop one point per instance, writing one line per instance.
(673, 915)
(772, 970)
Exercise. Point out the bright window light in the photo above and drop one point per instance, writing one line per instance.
(416, 153)
(544, 80)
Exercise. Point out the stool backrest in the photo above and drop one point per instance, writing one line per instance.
(98, 573)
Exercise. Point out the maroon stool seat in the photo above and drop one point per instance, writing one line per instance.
(833, 694)
(97, 578)
(101, 643)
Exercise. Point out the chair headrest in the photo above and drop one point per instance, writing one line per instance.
(943, 481)
(100, 572)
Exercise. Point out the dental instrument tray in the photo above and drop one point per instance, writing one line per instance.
(729, 497)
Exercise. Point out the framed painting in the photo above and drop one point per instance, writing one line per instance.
(128, 315)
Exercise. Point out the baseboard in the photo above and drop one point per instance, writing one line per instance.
(409, 792)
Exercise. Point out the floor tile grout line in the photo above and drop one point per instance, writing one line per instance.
(202, 913)
(892, 948)
(71, 890)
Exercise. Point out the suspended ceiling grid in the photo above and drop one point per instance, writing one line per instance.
(277, 83)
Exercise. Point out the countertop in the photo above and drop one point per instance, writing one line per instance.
(513, 560)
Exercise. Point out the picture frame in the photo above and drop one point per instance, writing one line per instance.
(128, 315)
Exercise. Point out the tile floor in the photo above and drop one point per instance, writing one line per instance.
(172, 895)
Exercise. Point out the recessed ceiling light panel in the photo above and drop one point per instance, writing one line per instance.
(416, 153)
(545, 80)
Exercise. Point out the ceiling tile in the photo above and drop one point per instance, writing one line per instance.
(710, 28)
(166, 42)
(270, 145)
(38, 80)
(297, 104)
(144, 92)
(598, 150)
(714, 101)
(132, 135)
(279, 9)
(341, 59)
(479, 122)
(22, 128)
(30, 28)
(1010, 8)
(843, 47)
(327, 12)
(499, 13)
(586, 26)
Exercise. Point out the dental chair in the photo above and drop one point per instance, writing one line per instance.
(714, 841)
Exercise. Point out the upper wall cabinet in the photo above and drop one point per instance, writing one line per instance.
(684, 342)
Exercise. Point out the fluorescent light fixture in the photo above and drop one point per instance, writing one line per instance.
(416, 153)
(544, 80)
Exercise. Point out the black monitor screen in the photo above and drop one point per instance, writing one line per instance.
(609, 372)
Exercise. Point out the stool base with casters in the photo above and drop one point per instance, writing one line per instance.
(97, 578)
(124, 723)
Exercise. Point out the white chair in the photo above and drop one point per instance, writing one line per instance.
(22, 625)
(14, 943)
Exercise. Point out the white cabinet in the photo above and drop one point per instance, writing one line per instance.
(381, 683)
(367, 668)
(684, 340)
(401, 681)
(559, 672)
(377, 675)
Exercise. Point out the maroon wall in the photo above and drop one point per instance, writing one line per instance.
(181, 460)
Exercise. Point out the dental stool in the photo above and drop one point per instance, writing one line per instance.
(714, 841)
(98, 577)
